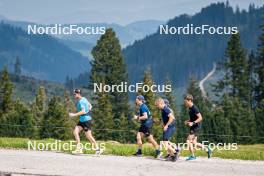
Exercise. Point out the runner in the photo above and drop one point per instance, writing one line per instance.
(146, 121)
(195, 125)
(83, 107)
(169, 122)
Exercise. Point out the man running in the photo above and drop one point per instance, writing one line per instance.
(83, 107)
(195, 125)
(169, 122)
(146, 121)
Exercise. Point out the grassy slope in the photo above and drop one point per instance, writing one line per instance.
(244, 152)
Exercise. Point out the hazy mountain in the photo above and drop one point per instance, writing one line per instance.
(178, 56)
(41, 56)
(126, 34)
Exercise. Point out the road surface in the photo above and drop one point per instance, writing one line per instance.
(201, 83)
(23, 162)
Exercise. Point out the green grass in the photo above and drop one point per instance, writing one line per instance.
(244, 152)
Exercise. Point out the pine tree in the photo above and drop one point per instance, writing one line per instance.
(169, 96)
(55, 123)
(17, 67)
(41, 99)
(220, 129)
(69, 107)
(237, 91)
(108, 67)
(6, 90)
(103, 118)
(235, 65)
(260, 121)
(38, 107)
(260, 69)
(21, 122)
(241, 119)
(252, 65)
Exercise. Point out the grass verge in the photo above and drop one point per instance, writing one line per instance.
(243, 152)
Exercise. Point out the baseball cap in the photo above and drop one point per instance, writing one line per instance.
(78, 91)
(166, 101)
(141, 97)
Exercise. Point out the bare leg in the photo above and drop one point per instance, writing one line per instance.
(153, 142)
(169, 147)
(139, 139)
(76, 133)
(199, 145)
(91, 139)
(190, 143)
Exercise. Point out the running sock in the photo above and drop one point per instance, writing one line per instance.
(139, 151)
(157, 152)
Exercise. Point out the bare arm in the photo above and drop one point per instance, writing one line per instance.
(171, 118)
(90, 106)
(199, 119)
(82, 112)
(144, 117)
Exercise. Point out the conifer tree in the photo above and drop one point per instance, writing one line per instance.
(108, 67)
(21, 122)
(103, 118)
(17, 67)
(6, 90)
(235, 65)
(55, 123)
(260, 121)
(260, 68)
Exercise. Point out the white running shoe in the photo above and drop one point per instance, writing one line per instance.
(77, 151)
(98, 152)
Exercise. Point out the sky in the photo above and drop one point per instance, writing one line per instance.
(110, 11)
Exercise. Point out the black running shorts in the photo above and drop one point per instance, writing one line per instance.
(85, 125)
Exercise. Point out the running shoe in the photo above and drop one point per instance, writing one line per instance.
(166, 157)
(177, 153)
(77, 151)
(190, 158)
(173, 158)
(138, 153)
(98, 152)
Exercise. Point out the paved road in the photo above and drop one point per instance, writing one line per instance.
(19, 162)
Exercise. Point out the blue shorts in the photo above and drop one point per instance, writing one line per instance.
(168, 133)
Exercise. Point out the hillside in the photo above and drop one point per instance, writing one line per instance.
(179, 56)
(127, 34)
(41, 56)
(25, 88)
